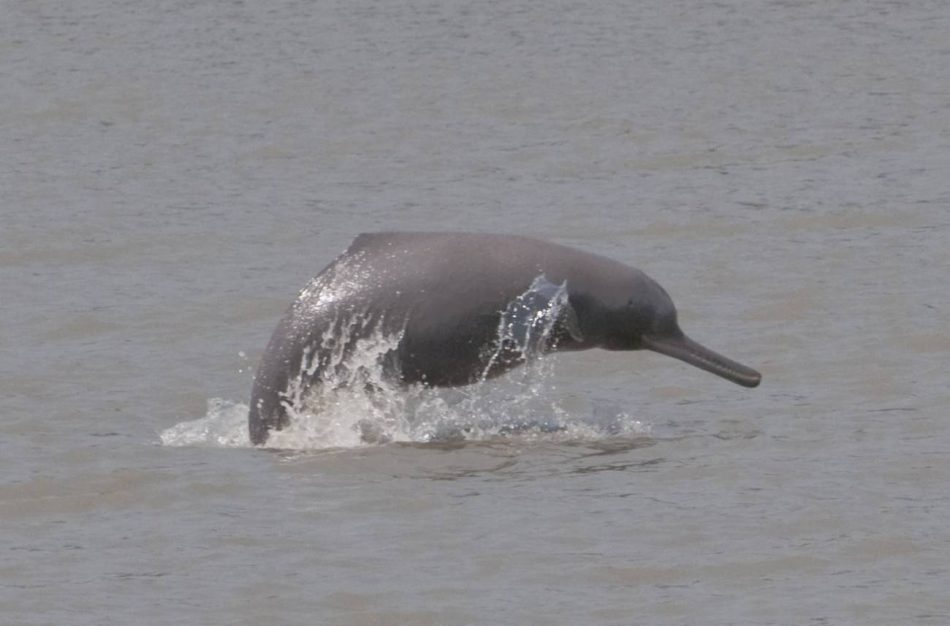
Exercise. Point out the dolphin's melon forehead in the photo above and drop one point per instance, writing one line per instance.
(649, 295)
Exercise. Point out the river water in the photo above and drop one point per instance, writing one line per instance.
(173, 172)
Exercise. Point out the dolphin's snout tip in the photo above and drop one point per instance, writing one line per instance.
(751, 379)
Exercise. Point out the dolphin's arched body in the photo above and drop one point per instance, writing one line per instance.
(446, 296)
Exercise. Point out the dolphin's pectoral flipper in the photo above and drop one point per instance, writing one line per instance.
(535, 321)
(567, 325)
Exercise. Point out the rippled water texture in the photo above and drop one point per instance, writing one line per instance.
(172, 173)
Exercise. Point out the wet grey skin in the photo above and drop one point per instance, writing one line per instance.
(446, 293)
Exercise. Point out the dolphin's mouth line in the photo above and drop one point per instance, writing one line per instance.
(689, 351)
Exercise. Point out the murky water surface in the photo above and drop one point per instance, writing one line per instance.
(173, 172)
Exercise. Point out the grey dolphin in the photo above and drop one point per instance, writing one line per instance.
(445, 294)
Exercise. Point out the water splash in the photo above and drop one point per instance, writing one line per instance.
(355, 402)
(223, 426)
(500, 410)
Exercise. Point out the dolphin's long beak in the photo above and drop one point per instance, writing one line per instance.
(685, 349)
